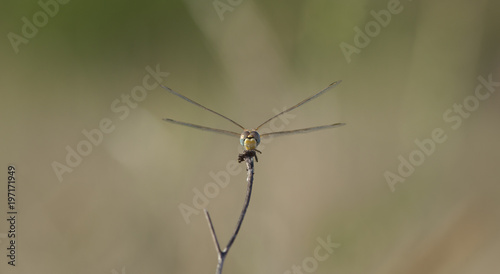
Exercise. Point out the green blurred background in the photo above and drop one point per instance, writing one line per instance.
(118, 210)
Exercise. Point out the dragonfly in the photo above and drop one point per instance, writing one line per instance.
(250, 138)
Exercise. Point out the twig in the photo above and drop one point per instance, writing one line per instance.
(221, 254)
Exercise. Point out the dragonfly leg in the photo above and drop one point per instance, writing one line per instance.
(248, 154)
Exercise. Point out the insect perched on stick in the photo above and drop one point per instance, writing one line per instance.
(250, 138)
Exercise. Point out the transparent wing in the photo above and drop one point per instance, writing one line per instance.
(220, 131)
(332, 85)
(199, 105)
(302, 130)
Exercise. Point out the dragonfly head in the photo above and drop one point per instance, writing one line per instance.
(250, 139)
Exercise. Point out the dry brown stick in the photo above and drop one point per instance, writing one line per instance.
(221, 254)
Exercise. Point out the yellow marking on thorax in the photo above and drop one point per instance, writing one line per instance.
(250, 144)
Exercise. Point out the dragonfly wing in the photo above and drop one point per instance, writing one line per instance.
(332, 85)
(216, 130)
(199, 105)
(302, 130)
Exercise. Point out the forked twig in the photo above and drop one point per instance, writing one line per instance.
(221, 254)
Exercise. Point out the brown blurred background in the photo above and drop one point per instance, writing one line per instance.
(118, 210)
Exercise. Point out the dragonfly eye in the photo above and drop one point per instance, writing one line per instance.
(244, 136)
(255, 136)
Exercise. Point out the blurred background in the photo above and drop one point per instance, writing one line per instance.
(127, 199)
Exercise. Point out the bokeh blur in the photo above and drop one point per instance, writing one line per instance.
(104, 185)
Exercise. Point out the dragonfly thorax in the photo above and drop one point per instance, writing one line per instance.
(250, 139)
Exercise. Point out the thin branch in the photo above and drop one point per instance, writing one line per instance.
(212, 230)
(221, 254)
